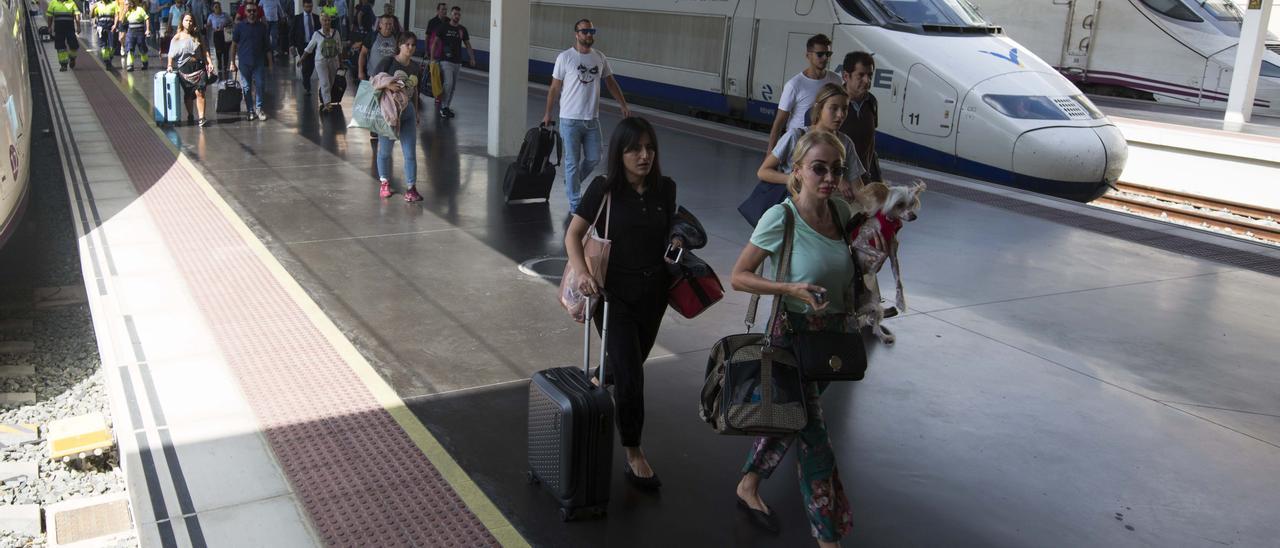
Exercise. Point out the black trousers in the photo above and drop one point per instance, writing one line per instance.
(308, 68)
(636, 305)
(64, 36)
(221, 47)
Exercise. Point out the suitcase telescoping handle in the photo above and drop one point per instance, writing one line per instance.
(586, 337)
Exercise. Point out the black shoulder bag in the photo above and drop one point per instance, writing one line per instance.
(826, 356)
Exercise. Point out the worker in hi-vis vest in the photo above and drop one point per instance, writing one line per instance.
(104, 15)
(135, 38)
(64, 20)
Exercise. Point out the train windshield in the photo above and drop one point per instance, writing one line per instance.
(1173, 8)
(1223, 10)
(954, 13)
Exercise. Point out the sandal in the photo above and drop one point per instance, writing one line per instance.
(651, 483)
(763, 520)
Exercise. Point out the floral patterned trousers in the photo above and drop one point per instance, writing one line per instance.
(829, 514)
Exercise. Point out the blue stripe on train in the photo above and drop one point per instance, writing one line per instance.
(900, 149)
(887, 145)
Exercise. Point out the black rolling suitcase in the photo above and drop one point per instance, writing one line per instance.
(229, 97)
(339, 86)
(571, 432)
(531, 176)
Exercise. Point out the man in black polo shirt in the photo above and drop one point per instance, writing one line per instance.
(863, 118)
(435, 49)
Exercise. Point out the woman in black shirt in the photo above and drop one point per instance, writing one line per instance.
(642, 203)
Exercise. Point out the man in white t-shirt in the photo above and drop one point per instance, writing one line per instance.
(575, 83)
(799, 92)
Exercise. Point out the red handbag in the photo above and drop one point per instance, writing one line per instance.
(696, 288)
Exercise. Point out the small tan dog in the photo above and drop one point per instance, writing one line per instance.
(873, 237)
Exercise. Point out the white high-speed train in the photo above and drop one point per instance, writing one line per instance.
(15, 117)
(1172, 51)
(955, 93)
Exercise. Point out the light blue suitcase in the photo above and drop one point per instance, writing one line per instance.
(166, 97)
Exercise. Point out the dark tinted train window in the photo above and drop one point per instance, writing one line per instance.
(1270, 70)
(1173, 8)
(854, 7)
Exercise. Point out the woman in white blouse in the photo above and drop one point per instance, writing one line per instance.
(326, 43)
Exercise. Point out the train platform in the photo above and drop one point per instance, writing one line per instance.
(295, 361)
(1261, 128)
(1191, 151)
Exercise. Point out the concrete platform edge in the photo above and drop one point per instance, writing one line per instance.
(476, 500)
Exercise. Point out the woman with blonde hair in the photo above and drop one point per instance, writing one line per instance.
(827, 113)
(817, 296)
(326, 43)
(194, 65)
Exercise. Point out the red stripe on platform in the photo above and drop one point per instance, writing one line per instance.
(360, 477)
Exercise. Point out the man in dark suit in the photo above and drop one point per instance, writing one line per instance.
(300, 30)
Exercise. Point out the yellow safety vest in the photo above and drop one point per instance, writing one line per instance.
(104, 12)
(60, 11)
(137, 18)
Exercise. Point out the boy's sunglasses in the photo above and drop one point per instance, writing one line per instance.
(587, 31)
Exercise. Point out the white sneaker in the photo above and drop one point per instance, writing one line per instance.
(261, 115)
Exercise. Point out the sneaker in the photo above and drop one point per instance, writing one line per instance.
(384, 189)
(129, 68)
(63, 68)
(261, 115)
(203, 122)
(412, 195)
(443, 114)
(449, 112)
(252, 116)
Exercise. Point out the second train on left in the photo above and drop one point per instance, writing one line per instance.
(15, 119)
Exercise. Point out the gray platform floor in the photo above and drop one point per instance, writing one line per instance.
(1050, 387)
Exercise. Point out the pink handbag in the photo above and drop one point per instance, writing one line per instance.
(595, 251)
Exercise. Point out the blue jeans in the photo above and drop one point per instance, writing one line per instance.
(582, 147)
(408, 146)
(252, 94)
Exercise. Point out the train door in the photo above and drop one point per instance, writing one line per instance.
(1078, 38)
(929, 105)
(779, 55)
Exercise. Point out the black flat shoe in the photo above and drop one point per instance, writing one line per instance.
(651, 483)
(766, 521)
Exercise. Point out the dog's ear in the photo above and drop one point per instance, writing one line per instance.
(917, 187)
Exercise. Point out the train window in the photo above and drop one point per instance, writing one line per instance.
(1026, 107)
(1173, 8)
(1223, 10)
(934, 12)
(1089, 107)
(854, 7)
(1270, 70)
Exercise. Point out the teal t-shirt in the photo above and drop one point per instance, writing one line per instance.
(815, 258)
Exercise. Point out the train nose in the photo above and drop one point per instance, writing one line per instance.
(1077, 163)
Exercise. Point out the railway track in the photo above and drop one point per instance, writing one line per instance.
(1230, 217)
